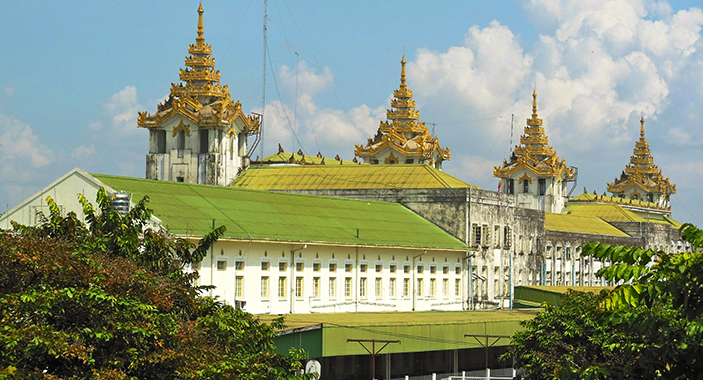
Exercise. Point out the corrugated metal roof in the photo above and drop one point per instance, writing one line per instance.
(284, 157)
(338, 177)
(607, 211)
(580, 224)
(189, 209)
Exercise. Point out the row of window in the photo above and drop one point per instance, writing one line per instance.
(204, 139)
(481, 236)
(348, 267)
(348, 287)
(541, 183)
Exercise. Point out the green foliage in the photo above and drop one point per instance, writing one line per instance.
(650, 326)
(109, 299)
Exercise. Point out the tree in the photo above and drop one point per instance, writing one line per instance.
(650, 326)
(111, 299)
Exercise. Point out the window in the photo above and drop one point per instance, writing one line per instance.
(160, 141)
(203, 141)
(420, 269)
(445, 270)
(298, 287)
(457, 287)
(316, 287)
(333, 288)
(362, 287)
(391, 287)
(433, 269)
(347, 267)
(221, 265)
(507, 237)
(406, 287)
(363, 268)
(525, 186)
(650, 198)
(511, 186)
(239, 287)
(179, 179)
(282, 285)
(433, 287)
(265, 265)
(239, 265)
(265, 287)
(420, 283)
(445, 288)
(299, 266)
(542, 186)
(476, 229)
(635, 197)
(409, 161)
(181, 140)
(485, 235)
(406, 269)
(392, 268)
(457, 270)
(333, 267)
(348, 287)
(496, 236)
(316, 267)
(282, 266)
(568, 253)
(379, 268)
(379, 288)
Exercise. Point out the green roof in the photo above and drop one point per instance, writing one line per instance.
(579, 224)
(535, 295)
(189, 209)
(326, 334)
(342, 177)
(610, 212)
(586, 197)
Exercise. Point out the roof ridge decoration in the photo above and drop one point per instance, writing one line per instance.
(534, 152)
(642, 172)
(199, 97)
(403, 131)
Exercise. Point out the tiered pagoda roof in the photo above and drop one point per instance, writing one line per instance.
(199, 97)
(642, 172)
(534, 152)
(402, 130)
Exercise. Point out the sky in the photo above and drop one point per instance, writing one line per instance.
(75, 74)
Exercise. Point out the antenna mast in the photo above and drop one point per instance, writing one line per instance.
(512, 119)
(263, 79)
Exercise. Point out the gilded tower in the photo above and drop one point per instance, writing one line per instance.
(198, 135)
(641, 179)
(534, 174)
(402, 138)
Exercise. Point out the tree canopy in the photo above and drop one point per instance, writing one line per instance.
(650, 326)
(112, 298)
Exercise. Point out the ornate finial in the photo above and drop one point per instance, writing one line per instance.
(403, 86)
(534, 104)
(280, 148)
(642, 127)
(200, 39)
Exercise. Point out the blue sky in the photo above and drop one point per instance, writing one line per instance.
(76, 73)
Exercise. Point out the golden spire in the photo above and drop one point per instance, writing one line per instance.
(200, 39)
(642, 127)
(534, 104)
(403, 86)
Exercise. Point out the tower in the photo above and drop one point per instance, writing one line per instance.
(402, 138)
(641, 179)
(198, 135)
(534, 174)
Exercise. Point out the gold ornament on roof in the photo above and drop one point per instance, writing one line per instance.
(534, 152)
(642, 172)
(199, 97)
(402, 131)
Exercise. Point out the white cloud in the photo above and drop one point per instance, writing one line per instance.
(119, 113)
(83, 152)
(308, 82)
(19, 145)
(10, 91)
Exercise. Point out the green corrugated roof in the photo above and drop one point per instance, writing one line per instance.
(189, 209)
(580, 224)
(553, 295)
(338, 177)
(326, 334)
(610, 212)
(586, 197)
